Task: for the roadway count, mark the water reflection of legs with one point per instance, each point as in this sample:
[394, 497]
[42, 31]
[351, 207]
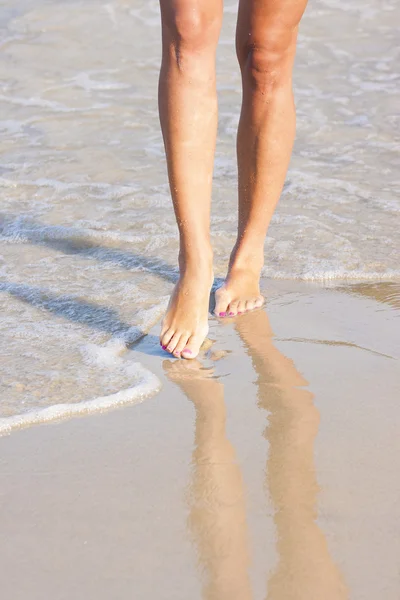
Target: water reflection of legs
[305, 569]
[216, 495]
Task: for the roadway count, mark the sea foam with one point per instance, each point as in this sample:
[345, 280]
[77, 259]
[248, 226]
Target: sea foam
[148, 385]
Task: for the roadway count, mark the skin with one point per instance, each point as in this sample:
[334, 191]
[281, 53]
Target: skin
[266, 44]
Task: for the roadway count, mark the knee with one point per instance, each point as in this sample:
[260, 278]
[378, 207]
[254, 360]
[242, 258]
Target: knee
[191, 32]
[266, 59]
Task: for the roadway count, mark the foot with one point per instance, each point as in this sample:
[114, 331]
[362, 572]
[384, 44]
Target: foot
[241, 291]
[185, 325]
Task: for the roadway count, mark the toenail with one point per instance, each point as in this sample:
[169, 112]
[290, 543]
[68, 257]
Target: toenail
[240, 312]
[164, 347]
[187, 351]
[231, 314]
[222, 314]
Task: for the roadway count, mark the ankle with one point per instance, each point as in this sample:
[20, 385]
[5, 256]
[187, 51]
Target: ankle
[245, 257]
[196, 260]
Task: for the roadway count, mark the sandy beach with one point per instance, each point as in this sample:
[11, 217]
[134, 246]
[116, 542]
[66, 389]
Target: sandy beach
[267, 469]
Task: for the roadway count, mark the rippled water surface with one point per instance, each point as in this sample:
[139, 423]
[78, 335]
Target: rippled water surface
[87, 237]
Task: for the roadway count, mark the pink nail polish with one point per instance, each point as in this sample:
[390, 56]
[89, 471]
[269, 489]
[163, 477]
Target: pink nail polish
[187, 351]
[222, 314]
[164, 347]
[231, 314]
[240, 313]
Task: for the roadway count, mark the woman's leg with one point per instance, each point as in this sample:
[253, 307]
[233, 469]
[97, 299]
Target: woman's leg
[266, 45]
[188, 115]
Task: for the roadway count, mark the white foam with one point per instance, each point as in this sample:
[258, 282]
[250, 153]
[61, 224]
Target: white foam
[23, 229]
[148, 385]
[63, 186]
[110, 353]
[43, 103]
[333, 275]
[111, 357]
[85, 81]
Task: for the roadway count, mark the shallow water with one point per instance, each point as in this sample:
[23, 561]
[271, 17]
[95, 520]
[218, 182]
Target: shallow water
[87, 237]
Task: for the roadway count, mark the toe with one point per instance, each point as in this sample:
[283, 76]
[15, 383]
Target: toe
[221, 304]
[165, 338]
[181, 345]
[241, 307]
[232, 309]
[164, 328]
[259, 301]
[250, 305]
[192, 347]
[173, 342]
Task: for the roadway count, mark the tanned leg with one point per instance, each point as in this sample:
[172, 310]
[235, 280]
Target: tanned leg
[266, 45]
[188, 115]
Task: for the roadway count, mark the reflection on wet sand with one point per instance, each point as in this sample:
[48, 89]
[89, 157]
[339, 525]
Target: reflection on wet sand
[217, 518]
[305, 569]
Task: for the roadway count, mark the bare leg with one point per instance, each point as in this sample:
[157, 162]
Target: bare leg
[188, 115]
[266, 45]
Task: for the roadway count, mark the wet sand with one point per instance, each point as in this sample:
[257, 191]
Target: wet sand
[268, 469]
